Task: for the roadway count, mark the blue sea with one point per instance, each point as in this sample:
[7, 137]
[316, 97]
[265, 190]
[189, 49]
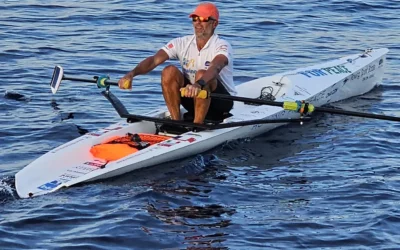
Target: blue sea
[332, 183]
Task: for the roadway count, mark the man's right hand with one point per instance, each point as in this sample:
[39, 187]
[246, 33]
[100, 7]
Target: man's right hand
[126, 81]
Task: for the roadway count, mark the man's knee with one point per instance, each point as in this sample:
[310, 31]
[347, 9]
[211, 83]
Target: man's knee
[171, 74]
[170, 71]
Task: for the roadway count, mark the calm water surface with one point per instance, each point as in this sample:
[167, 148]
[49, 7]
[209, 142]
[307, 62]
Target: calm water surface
[333, 183]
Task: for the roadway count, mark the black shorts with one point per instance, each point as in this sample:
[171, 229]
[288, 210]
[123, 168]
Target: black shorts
[217, 108]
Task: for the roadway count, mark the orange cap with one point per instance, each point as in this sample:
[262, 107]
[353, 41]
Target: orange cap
[206, 10]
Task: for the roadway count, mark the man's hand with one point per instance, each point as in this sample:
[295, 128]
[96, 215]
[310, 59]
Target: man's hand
[192, 90]
[126, 81]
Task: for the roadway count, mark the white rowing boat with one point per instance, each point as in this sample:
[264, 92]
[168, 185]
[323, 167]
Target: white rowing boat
[73, 163]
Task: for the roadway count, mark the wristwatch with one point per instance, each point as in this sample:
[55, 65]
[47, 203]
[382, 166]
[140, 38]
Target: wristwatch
[202, 83]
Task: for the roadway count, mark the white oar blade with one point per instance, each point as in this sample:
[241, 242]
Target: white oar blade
[56, 79]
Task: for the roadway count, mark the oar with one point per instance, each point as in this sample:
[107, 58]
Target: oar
[123, 112]
[58, 76]
[297, 106]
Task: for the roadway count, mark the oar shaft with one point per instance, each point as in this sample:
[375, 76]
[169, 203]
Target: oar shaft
[208, 126]
[316, 109]
[357, 114]
[88, 80]
[245, 99]
[123, 112]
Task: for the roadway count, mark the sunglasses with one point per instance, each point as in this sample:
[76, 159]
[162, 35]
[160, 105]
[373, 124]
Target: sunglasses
[201, 19]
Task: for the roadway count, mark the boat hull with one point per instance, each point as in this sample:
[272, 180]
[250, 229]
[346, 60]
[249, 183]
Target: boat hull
[321, 84]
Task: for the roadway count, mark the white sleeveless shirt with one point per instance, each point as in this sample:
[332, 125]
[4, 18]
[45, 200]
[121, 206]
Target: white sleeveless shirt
[185, 50]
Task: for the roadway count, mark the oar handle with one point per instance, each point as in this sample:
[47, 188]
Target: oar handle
[203, 94]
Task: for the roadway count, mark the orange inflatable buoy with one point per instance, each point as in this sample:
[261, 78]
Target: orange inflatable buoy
[118, 147]
[112, 152]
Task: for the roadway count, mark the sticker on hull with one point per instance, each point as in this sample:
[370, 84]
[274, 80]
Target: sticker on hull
[178, 139]
[50, 185]
[334, 70]
[72, 173]
[103, 131]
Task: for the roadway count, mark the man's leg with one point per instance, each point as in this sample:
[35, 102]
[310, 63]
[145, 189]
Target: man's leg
[171, 82]
[201, 106]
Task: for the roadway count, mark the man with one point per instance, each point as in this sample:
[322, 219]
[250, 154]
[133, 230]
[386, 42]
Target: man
[207, 63]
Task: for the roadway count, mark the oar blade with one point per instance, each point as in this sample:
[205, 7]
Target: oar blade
[58, 74]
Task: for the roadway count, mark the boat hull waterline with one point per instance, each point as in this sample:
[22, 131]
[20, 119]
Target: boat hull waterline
[72, 162]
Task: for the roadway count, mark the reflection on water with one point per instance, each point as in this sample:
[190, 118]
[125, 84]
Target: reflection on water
[197, 218]
[15, 96]
[179, 215]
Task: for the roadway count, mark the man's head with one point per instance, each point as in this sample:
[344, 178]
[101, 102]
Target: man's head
[206, 10]
[205, 19]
